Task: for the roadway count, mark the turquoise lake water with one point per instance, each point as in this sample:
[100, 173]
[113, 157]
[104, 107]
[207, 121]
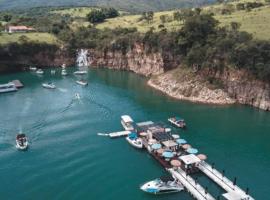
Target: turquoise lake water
[67, 160]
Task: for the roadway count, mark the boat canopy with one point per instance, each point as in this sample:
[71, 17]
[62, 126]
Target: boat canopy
[190, 159]
[169, 143]
[126, 119]
[132, 135]
[162, 136]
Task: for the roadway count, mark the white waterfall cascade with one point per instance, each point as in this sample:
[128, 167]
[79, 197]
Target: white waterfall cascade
[82, 58]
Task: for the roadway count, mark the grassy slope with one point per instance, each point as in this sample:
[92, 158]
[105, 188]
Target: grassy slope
[39, 37]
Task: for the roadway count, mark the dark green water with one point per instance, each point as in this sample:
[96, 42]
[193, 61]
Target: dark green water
[67, 160]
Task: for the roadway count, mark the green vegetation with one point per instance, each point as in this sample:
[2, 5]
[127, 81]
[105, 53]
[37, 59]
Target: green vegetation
[6, 38]
[127, 5]
[99, 15]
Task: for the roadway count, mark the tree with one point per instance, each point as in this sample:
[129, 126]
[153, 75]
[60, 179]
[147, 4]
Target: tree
[110, 12]
[7, 17]
[163, 18]
[148, 16]
[235, 26]
[23, 39]
[96, 16]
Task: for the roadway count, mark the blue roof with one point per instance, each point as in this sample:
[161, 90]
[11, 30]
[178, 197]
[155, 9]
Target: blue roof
[156, 146]
[132, 135]
[181, 141]
[167, 154]
[192, 150]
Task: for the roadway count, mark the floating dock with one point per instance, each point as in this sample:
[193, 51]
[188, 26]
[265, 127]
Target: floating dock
[118, 134]
[17, 83]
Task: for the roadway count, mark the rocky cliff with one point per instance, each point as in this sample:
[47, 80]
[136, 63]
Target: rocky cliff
[231, 86]
[135, 59]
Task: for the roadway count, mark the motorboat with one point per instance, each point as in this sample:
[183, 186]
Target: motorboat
[133, 139]
[162, 185]
[40, 71]
[127, 122]
[178, 122]
[64, 72]
[32, 68]
[48, 85]
[82, 82]
[8, 87]
[81, 72]
[21, 141]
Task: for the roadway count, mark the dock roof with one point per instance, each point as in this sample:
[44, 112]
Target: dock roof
[126, 118]
[190, 159]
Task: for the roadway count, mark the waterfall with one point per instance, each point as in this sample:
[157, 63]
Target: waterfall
[82, 58]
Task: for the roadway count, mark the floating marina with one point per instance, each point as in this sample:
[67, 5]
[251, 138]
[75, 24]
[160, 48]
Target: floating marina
[181, 161]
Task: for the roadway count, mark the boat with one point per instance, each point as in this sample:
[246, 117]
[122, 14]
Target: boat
[82, 82]
[77, 96]
[127, 122]
[134, 140]
[40, 71]
[48, 85]
[32, 68]
[162, 185]
[21, 141]
[8, 87]
[178, 122]
[80, 72]
[64, 72]
[53, 71]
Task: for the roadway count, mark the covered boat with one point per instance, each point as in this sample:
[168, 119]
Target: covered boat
[48, 85]
[127, 122]
[162, 185]
[8, 87]
[82, 82]
[21, 141]
[80, 72]
[178, 122]
[133, 139]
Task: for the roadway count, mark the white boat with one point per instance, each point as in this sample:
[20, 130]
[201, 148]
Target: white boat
[21, 141]
[80, 72]
[64, 72]
[8, 87]
[127, 122]
[32, 68]
[48, 85]
[82, 82]
[133, 139]
[53, 71]
[162, 185]
[40, 71]
[178, 122]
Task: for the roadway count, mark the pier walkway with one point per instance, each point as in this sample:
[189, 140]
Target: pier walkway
[233, 191]
[195, 189]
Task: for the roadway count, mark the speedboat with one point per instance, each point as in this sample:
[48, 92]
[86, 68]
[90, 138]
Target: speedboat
[178, 122]
[127, 122]
[80, 72]
[82, 82]
[133, 139]
[162, 185]
[48, 85]
[40, 71]
[21, 141]
[32, 68]
[8, 87]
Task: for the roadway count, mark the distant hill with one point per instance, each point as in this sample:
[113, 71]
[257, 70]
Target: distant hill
[128, 5]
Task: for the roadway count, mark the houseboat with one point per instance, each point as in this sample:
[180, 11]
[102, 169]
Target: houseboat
[127, 123]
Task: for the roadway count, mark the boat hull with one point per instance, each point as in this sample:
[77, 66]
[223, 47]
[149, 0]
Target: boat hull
[21, 147]
[176, 124]
[137, 143]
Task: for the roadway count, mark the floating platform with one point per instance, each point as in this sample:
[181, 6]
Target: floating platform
[17, 83]
[119, 134]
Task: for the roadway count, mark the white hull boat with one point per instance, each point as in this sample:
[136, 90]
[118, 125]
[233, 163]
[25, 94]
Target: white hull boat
[135, 141]
[48, 85]
[33, 68]
[64, 72]
[127, 122]
[162, 185]
[21, 142]
[83, 83]
[178, 122]
[9, 87]
[40, 71]
[80, 72]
